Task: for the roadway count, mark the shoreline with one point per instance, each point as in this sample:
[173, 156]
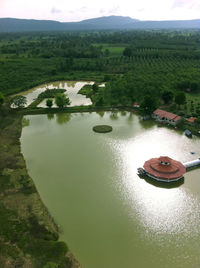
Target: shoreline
[29, 236]
[20, 189]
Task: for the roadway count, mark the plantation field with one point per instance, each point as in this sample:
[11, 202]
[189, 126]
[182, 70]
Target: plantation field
[116, 49]
[133, 63]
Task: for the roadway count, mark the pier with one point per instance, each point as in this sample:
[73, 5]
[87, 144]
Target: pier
[192, 164]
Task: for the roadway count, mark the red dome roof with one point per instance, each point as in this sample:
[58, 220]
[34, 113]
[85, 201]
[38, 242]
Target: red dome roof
[165, 168]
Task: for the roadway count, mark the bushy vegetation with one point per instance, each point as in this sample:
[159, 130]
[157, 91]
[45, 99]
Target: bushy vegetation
[49, 103]
[1, 99]
[86, 90]
[61, 100]
[50, 93]
[18, 101]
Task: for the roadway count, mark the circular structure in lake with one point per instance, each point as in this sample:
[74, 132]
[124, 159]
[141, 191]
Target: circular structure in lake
[102, 128]
[164, 169]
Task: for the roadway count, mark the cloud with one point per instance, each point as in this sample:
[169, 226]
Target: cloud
[141, 10]
[188, 4]
[114, 10]
[55, 10]
[83, 8]
[102, 11]
[111, 11]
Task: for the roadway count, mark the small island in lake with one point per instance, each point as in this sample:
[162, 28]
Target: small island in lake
[102, 128]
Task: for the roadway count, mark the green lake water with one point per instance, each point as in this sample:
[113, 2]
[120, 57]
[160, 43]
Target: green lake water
[109, 217]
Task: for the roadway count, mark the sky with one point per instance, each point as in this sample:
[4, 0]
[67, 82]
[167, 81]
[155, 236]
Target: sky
[76, 10]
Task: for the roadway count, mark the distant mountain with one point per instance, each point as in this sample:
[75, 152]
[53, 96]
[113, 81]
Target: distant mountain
[168, 24]
[102, 23]
[23, 25]
[110, 21]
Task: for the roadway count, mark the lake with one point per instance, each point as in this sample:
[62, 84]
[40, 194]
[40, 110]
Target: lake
[109, 217]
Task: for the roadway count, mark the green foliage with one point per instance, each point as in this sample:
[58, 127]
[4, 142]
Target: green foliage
[127, 52]
[156, 60]
[95, 88]
[167, 96]
[1, 99]
[19, 101]
[50, 93]
[61, 100]
[86, 90]
[50, 265]
[180, 98]
[149, 104]
[49, 103]
[198, 120]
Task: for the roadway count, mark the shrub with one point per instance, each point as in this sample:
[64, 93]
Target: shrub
[49, 103]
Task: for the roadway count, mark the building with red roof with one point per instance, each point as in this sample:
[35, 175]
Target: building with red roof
[164, 169]
[136, 105]
[191, 120]
[166, 117]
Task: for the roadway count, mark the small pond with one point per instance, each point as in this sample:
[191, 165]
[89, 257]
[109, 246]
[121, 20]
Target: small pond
[72, 88]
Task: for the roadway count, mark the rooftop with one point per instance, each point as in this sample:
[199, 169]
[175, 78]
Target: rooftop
[167, 115]
[191, 119]
[136, 104]
[164, 167]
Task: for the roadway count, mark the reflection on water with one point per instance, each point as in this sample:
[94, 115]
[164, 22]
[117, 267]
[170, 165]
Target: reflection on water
[72, 88]
[62, 118]
[114, 115]
[167, 209]
[163, 184]
[101, 114]
[110, 217]
[25, 122]
[50, 116]
[123, 113]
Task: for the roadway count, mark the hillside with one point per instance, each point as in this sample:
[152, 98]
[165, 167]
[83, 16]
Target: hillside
[102, 23]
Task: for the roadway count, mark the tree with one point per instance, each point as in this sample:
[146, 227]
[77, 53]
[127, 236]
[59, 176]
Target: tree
[50, 265]
[1, 99]
[127, 52]
[61, 100]
[95, 88]
[49, 103]
[19, 101]
[148, 104]
[167, 96]
[107, 52]
[180, 98]
[198, 120]
[99, 101]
